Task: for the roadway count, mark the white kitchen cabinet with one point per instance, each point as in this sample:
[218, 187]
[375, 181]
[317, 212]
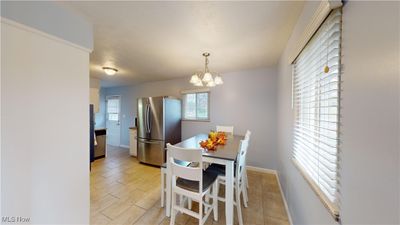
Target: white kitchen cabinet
[133, 141]
[95, 99]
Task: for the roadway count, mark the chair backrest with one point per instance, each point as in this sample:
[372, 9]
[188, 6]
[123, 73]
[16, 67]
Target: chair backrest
[226, 129]
[182, 171]
[247, 135]
[241, 158]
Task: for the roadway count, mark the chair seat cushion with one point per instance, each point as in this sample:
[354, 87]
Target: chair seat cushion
[219, 169]
[208, 180]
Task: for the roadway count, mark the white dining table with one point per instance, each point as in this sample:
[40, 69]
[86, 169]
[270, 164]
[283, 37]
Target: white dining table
[224, 155]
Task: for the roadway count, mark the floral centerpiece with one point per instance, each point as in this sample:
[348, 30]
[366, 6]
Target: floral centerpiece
[214, 139]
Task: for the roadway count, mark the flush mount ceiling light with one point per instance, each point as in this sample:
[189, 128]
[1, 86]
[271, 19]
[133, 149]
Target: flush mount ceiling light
[200, 79]
[109, 70]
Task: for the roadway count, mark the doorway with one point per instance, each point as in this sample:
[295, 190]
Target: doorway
[113, 123]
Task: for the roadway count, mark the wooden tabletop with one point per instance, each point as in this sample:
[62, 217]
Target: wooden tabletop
[228, 151]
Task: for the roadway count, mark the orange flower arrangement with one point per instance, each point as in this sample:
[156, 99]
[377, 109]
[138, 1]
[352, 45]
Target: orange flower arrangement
[214, 139]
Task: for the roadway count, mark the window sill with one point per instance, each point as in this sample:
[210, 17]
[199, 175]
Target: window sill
[331, 207]
[189, 120]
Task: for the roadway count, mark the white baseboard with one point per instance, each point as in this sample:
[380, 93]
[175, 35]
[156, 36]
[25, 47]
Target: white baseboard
[284, 200]
[124, 146]
[259, 169]
[270, 171]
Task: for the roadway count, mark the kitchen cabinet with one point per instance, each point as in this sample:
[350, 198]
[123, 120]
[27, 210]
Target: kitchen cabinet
[95, 99]
[133, 141]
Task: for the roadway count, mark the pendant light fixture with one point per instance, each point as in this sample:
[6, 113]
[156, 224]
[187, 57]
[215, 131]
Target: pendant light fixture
[206, 78]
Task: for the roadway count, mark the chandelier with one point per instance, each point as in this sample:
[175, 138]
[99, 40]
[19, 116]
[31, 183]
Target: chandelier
[200, 79]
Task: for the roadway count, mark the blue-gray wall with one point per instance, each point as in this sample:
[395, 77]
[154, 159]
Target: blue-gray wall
[100, 117]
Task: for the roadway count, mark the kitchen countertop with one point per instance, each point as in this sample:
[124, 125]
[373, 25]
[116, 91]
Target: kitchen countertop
[100, 128]
[133, 128]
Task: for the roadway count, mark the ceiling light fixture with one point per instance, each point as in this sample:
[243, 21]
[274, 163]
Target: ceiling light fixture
[201, 79]
[109, 70]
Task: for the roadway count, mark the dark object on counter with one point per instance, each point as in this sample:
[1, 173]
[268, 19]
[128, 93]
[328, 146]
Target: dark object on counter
[100, 148]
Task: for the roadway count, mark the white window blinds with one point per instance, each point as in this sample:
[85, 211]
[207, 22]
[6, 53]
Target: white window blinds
[316, 98]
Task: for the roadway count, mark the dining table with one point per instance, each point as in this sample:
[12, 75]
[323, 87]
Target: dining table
[223, 155]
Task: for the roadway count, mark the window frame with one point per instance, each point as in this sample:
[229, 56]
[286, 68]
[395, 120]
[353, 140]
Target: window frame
[196, 92]
[333, 207]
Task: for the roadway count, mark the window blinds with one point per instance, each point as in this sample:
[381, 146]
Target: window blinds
[316, 98]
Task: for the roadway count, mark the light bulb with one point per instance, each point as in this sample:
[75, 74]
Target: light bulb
[211, 83]
[199, 83]
[194, 79]
[218, 80]
[207, 77]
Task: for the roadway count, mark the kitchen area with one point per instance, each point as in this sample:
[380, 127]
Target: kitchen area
[110, 126]
[156, 122]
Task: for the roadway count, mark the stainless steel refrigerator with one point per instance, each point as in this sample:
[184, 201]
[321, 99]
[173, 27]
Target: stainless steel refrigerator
[159, 123]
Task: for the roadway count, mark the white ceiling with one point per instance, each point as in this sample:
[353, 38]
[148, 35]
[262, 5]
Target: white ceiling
[149, 41]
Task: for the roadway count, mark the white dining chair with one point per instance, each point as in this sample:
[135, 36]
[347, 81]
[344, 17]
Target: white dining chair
[163, 177]
[163, 187]
[226, 129]
[239, 180]
[192, 183]
[247, 137]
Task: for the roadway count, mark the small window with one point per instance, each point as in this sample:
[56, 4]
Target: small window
[113, 108]
[196, 106]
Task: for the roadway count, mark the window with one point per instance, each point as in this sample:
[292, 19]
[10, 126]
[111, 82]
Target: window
[113, 108]
[316, 102]
[196, 105]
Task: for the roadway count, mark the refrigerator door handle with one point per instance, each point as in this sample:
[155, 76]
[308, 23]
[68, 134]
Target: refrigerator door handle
[147, 118]
[149, 142]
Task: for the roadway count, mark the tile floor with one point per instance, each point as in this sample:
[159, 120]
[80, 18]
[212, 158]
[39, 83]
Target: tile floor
[123, 191]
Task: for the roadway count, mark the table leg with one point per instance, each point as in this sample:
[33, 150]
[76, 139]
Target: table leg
[168, 189]
[229, 192]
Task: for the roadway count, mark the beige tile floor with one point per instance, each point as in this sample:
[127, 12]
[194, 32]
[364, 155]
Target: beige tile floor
[123, 191]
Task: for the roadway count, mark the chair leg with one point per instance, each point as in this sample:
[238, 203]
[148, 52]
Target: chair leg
[245, 196]
[162, 188]
[238, 206]
[245, 177]
[173, 200]
[201, 211]
[190, 203]
[215, 199]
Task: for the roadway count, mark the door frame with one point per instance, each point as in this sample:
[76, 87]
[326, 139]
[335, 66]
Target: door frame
[119, 115]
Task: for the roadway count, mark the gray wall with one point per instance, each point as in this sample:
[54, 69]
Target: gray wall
[370, 121]
[44, 128]
[246, 100]
[51, 18]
